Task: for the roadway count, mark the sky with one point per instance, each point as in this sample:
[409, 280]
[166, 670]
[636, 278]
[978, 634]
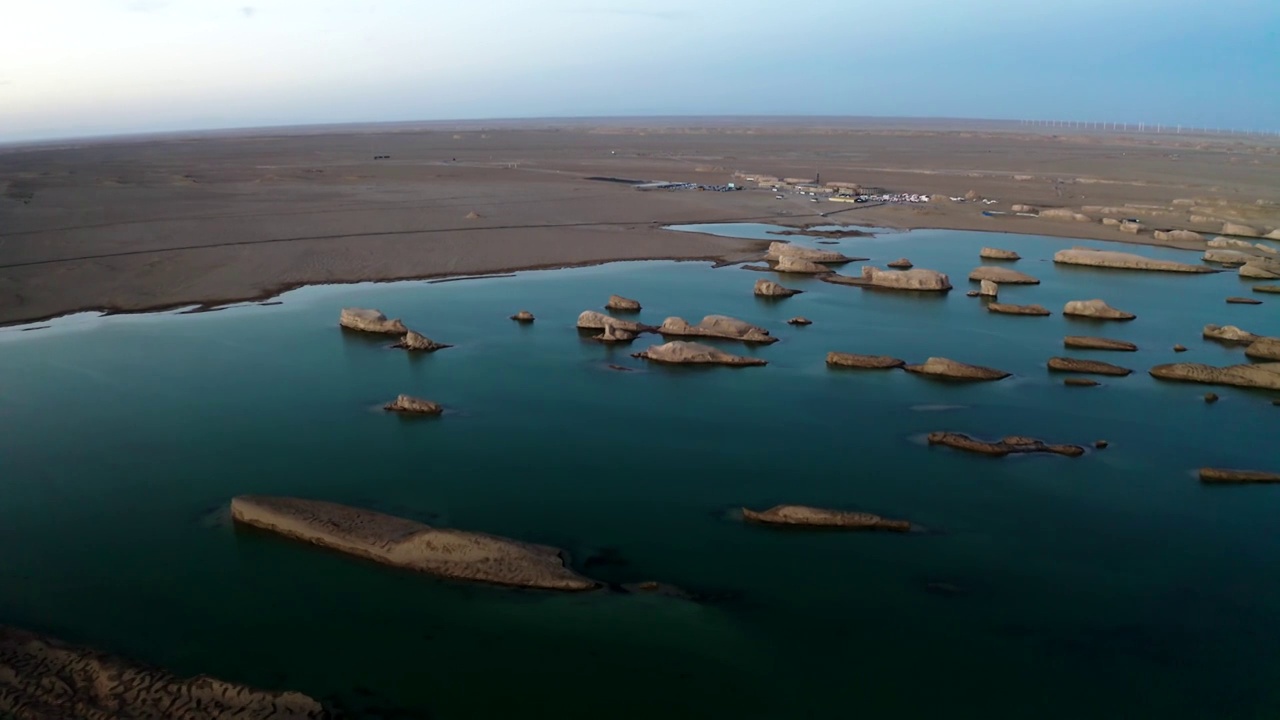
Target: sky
[72, 68]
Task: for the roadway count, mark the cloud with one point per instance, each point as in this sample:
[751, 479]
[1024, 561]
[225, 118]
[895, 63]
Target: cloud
[248, 11]
[148, 6]
[631, 12]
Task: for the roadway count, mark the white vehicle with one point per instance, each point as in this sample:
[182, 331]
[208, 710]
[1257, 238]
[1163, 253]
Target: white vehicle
[780, 197]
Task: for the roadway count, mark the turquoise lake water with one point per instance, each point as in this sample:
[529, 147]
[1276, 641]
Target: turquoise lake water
[1110, 585]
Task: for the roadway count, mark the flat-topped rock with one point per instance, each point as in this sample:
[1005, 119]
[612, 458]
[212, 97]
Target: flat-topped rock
[918, 279]
[990, 253]
[1097, 343]
[1095, 309]
[1080, 382]
[419, 342]
[1226, 257]
[778, 250]
[989, 289]
[618, 303]
[1264, 348]
[865, 362]
[1011, 445]
[524, 316]
[1229, 334]
[413, 406]
[769, 288]
[679, 352]
[901, 264]
[1266, 288]
[1242, 301]
[1231, 228]
[371, 321]
[805, 516]
[1007, 309]
[1230, 244]
[947, 368]
[399, 542]
[799, 266]
[1237, 477]
[1251, 375]
[611, 334]
[1260, 270]
[592, 320]
[1123, 261]
[719, 326]
[1185, 236]
[799, 321]
[43, 678]
[1002, 275]
[1090, 367]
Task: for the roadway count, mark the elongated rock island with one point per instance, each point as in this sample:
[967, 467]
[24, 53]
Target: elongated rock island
[1088, 367]
[1013, 444]
[1123, 261]
[951, 369]
[679, 352]
[717, 326]
[778, 250]
[1008, 309]
[1096, 309]
[1002, 275]
[1253, 375]
[408, 544]
[865, 362]
[592, 320]
[371, 321]
[1242, 477]
[1097, 343]
[919, 279]
[805, 516]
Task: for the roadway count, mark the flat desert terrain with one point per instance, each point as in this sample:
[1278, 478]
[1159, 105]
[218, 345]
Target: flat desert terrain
[145, 223]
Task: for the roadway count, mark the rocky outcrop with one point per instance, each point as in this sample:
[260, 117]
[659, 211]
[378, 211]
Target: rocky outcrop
[1229, 334]
[1064, 214]
[1230, 244]
[946, 368]
[371, 321]
[1266, 288]
[990, 253]
[1019, 208]
[989, 289]
[678, 352]
[1013, 444]
[901, 264]
[1255, 375]
[592, 320]
[1264, 348]
[1260, 269]
[618, 303]
[1182, 236]
[1089, 367]
[799, 266]
[1131, 227]
[524, 316]
[1095, 309]
[1266, 248]
[1006, 309]
[1080, 382]
[1089, 257]
[799, 321]
[1002, 275]
[408, 544]
[1225, 257]
[1097, 343]
[612, 334]
[419, 342]
[718, 326]
[769, 288]
[865, 362]
[778, 250]
[804, 516]
[413, 406]
[1230, 228]
[1243, 301]
[1237, 477]
[1179, 348]
[918, 279]
[42, 678]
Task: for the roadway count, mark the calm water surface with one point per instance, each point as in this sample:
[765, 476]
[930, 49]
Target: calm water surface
[1112, 585]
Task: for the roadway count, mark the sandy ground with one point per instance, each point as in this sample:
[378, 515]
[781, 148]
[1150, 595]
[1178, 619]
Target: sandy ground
[141, 224]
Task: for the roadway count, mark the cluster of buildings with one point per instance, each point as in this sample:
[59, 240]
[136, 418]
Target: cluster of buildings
[729, 187]
[886, 198]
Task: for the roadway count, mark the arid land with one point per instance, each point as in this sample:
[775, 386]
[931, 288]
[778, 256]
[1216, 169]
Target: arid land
[146, 223]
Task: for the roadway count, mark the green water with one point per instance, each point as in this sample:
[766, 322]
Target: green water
[1112, 585]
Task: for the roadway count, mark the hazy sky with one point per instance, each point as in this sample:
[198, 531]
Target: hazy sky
[83, 67]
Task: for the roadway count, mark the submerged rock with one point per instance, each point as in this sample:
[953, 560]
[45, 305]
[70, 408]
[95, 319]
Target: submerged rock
[1097, 343]
[1012, 444]
[989, 289]
[1229, 334]
[1092, 367]
[799, 321]
[799, 266]
[412, 405]
[621, 304]
[43, 678]
[678, 352]
[1006, 309]
[947, 368]
[524, 316]
[419, 342]
[371, 321]
[1095, 309]
[778, 250]
[1179, 348]
[1223, 475]
[901, 264]
[1211, 398]
[592, 320]
[1123, 261]
[719, 326]
[1002, 275]
[409, 544]
[1254, 375]
[769, 288]
[990, 253]
[1243, 301]
[919, 279]
[1264, 348]
[866, 362]
[804, 516]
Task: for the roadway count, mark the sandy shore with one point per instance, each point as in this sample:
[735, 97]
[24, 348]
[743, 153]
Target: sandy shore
[150, 224]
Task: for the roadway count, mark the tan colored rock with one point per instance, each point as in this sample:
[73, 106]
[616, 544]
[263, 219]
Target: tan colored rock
[412, 405]
[1224, 475]
[799, 266]
[918, 279]
[1097, 343]
[1185, 236]
[1230, 244]
[592, 320]
[1230, 228]
[1254, 375]
[408, 544]
[769, 288]
[1264, 348]
[972, 195]
[419, 342]
[1058, 213]
[901, 264]
[1258, 269]
[371, 321]
[473, 215]
[990, 253]
[1243, 301]
[1005, 309]
[1089, 367]
[799, 321]
[678, 352]
[989, 289]
[1002, 275]
[524, 316]
[1014, 444]
[1113, 222]
[1229, 334]
[946, 368]
[1122, 261]
[778, 250]
[864, 362]
[1266, 288]
[1129, 227]
[1095, 309]
[42, 678]
[1023, 209]
[621, 304]
[719, 326]
[1179, 348]
[611, 334]
[1080, 382]
[804, 516]
[1225, 257]
[1273, 235]
[1266, 248]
